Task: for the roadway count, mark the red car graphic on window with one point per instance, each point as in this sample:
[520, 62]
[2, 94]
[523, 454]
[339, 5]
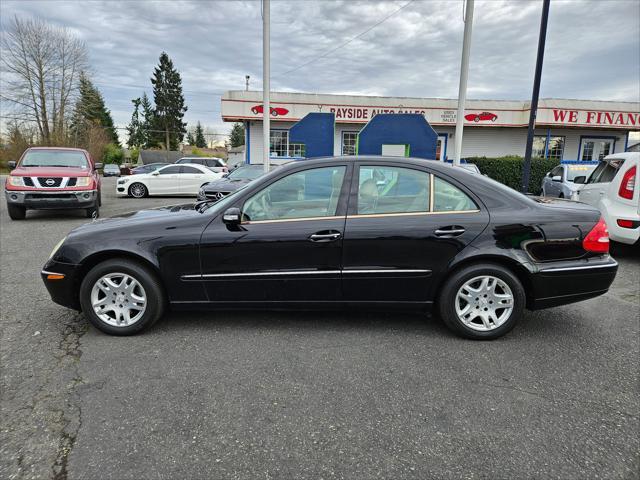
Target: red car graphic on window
[482, 116]
[275, 111]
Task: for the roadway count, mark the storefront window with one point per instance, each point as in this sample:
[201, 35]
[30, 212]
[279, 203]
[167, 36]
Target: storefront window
[280, 146]
[555, 149]
[349, 142]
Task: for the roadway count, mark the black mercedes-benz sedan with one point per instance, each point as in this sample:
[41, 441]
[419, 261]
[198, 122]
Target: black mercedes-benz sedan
[341, 232]
[230, 182]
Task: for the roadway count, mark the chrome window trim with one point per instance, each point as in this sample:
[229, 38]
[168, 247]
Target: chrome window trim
[299, 272]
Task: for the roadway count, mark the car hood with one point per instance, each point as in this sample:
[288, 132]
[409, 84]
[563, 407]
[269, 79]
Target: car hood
[225, 184]
[147, 220]
[50, 172]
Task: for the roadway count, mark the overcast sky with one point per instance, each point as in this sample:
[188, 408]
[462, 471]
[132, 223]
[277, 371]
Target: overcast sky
[593, 48]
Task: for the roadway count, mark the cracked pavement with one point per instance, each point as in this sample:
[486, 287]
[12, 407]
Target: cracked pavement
[313, 394]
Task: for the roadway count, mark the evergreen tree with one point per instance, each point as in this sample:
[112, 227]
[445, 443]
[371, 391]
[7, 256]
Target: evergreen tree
[90, 109]
[147, 122]
[190, 139]
[134, 129]
[237, 135]
[169, 101]
[200, 140]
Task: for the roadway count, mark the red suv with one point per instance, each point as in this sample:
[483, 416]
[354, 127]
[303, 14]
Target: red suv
[53, 178]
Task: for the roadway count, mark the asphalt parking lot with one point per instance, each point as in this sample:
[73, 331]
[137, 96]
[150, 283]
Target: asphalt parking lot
[312, 394]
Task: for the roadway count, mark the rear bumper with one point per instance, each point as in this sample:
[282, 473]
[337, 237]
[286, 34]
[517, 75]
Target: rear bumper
[63, 291]
[38, 199]
[569, 282]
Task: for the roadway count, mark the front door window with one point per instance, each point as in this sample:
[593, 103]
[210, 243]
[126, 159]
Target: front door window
[310, 193]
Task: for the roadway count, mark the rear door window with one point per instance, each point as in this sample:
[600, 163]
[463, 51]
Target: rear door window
[606, 171]
[449, 198]
[188, 169]
[383, 189]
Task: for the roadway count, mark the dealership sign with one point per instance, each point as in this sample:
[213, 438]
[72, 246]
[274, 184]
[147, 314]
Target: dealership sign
[240, 105]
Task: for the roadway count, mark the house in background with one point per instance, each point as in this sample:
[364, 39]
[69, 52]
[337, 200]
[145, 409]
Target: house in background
[235, 156]
[156, 156]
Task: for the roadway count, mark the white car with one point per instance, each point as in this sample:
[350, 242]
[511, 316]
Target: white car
[182, 179]
[613, 189]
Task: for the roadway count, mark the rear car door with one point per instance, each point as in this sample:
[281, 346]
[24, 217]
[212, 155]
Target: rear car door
[598, 182]
[289, 245]
[191, 179]
[404, 226]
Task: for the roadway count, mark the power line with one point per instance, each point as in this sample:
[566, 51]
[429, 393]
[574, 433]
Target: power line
[144, 87]
[331, 50]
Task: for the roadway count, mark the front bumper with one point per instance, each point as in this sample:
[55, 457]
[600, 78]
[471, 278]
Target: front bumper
[561, 283]
[63, 291]
[39, 199]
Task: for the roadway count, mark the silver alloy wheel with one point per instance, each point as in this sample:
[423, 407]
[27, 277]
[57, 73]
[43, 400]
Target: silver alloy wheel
[137, 190]
[118, 299]
[484, 303]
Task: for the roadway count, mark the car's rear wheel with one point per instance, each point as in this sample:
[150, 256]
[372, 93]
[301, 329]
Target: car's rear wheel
[16, 212]
[561, 195]
[121, 297]
[138, 190]
[482, 301]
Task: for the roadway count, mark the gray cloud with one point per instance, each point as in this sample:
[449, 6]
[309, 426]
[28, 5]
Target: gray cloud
[593, 48]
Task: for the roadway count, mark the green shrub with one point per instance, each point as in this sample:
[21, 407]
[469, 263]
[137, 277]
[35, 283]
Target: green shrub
[113, 154]
[508, 170]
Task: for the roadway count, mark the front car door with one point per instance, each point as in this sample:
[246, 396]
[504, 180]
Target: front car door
[404, 226]
[288, 247]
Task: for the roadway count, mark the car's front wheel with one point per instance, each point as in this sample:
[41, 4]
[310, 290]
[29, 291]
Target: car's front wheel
[121, 297]
[138, 190]
[482, 301]
[16, 212]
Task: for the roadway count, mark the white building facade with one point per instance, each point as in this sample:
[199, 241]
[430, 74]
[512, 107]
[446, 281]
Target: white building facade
[565, 129]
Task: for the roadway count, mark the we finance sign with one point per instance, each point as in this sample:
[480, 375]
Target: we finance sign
[589, 118]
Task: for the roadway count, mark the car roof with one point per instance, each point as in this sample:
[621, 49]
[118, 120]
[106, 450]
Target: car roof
[71, 149]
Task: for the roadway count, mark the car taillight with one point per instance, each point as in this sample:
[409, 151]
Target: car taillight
[627, 223]
[628, 184]
[597, 240]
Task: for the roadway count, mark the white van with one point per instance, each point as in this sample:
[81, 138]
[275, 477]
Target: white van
[613, 188]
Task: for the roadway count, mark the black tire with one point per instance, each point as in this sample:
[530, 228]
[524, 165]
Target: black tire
[561, 195]
[16, 212]
[138, 190]
[448, 294]
[152, 288]
[99, 198]
[93, 212]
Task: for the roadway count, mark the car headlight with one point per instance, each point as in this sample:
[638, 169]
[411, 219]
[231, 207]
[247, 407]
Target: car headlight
[122, 181]
[57, 247]
[83, 181]
[16, 181]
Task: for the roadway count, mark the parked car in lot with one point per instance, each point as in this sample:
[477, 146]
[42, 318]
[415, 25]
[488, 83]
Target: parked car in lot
[559, 182]
[358, 232]
[53, 178]
[231, 181]
[213, 163]
[183, 179]
[111, 170]
[148, 168]
[613, 188]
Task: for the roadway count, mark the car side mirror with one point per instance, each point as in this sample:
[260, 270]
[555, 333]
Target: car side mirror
[556, 178]
[155, 173]
[580, 180]
[99, 166]
[231, 216]
[11, 164]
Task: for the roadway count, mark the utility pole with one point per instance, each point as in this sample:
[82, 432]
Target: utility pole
[266, 104]
[464, 75]
[526, 168]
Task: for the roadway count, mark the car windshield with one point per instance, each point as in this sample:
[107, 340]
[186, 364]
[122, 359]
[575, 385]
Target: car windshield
[246, 173]
[574, 171]
[111, 166]
[54, 158]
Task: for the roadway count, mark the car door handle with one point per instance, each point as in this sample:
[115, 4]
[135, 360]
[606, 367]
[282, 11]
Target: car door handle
[325, 236]
[452, 231]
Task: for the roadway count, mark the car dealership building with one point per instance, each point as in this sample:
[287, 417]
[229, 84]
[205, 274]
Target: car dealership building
[565, 129]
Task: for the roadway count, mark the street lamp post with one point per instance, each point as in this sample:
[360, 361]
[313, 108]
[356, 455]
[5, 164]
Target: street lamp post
[464, 75]
[266, 104]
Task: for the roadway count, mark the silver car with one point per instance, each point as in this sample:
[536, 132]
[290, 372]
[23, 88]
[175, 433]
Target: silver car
[559, 181]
